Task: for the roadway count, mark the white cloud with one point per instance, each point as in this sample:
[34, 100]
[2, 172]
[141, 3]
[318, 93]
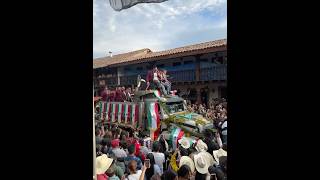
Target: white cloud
[160, 26]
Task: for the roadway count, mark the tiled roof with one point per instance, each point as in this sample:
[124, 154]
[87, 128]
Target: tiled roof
[144, 55]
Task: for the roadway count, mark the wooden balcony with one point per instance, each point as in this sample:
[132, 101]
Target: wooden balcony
[182, 76]
[128, 80]
[216, 73]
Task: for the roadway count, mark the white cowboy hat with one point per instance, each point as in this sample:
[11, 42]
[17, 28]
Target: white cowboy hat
[201, 146]
[184, 142]
[201, 162]
[188, 161]
[218, 153]
[210, 158]
[103, 163]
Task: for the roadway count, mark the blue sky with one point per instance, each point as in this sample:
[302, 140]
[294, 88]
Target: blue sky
[157, 26]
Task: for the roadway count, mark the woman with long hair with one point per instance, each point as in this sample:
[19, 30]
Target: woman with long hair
[134, 174]
[154, 168]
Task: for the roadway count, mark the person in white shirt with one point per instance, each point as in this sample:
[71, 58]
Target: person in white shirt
[224, 131]
[134, 173]
[143, 148]
[159, 157]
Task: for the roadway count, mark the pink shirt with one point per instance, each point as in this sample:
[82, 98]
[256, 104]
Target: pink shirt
[102, 177]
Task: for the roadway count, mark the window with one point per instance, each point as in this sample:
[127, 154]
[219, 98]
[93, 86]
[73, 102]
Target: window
[203, 60]
[188, 62]
[127, 69]
[176, 64]
[217, 60]
[160, 66]
[140, 68]
[225, 60]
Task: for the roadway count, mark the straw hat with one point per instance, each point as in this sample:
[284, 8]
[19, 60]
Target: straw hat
[201, 146]
[188, 161]
[103, 163]
[209, 157]
[184, 142]
[201, 162]
[218, 153]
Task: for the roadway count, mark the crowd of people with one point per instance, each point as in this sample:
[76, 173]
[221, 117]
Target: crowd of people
[126, 154]
[155, 79]
[120, 94]
[131, 155]
[216, 111]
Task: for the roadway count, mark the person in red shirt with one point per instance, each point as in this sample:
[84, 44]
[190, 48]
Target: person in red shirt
[138, 152]
[102, 165]
[104, 94]
[154, 76]
[112, 96]
[102, 177]
[123, 94]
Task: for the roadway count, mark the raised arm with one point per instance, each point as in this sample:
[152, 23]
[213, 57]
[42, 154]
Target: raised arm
[144, 168]
[102, 131]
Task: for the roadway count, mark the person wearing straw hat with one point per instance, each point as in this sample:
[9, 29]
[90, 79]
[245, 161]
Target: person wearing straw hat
[184, 142]
[219, 153]
[201, 146]
[188, 161]
[201, 163]
[210, 158]
[102, 165]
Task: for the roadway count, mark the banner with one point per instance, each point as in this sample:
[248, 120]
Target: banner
[126, 113]
[113, 112]
[119, 112]
[133, 113]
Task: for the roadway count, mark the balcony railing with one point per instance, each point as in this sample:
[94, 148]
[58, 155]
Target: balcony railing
[111, 81]
[130, 80]
[174, 76]
[182, 76]
[213, 73]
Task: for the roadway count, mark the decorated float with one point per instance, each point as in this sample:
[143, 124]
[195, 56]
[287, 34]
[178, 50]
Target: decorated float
[154, 115]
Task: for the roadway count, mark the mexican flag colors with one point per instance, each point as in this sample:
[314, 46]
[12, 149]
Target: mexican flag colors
[153, 117]
[119, 113]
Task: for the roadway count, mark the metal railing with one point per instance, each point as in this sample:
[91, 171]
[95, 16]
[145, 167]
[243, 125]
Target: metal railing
[182, 76]
[128, 80]
[111, 81]
[213, 73]
[131, 79]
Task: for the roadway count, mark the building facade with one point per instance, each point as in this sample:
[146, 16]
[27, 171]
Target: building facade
[198, 70]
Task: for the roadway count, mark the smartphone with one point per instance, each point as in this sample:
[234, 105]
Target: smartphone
[213, 177]
[147, 163]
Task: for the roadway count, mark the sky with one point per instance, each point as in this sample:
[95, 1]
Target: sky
[157, 26]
